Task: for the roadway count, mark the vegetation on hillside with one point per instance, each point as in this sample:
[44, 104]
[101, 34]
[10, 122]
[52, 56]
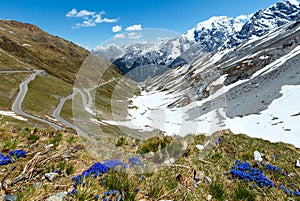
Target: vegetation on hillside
[191, 177]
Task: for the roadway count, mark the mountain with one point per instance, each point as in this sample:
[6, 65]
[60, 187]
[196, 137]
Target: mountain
[263, 21]
[24, 46]
[252, 88]
[41, 73]
[142, 61]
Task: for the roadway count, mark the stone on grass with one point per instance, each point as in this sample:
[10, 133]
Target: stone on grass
[257, 156]
[169, 161]
[200, 147]
[297, 163]
[57, 197]
[51, 176]
[10, 198]
[208, 179]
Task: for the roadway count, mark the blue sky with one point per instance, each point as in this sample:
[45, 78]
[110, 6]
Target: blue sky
[90, 22]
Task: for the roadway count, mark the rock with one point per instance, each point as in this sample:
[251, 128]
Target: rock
[65, 156]
[208, 179]
[49, 146]
[10, 198]
[150, 155]
[297, 163]
[169, 161]
[209, 197]
[119, 198]
[8, 182]
[51, 176]
[57, 197]
[194, 184]
[200, 147]
[36, 184]
[19, 178]
[257, 156]
[199, 177]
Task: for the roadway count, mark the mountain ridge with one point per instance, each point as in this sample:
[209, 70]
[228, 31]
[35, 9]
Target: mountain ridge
[207, 36]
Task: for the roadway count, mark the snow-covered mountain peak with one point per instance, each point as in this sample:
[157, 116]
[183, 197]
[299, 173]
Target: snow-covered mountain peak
[294, 2]
[215, 23]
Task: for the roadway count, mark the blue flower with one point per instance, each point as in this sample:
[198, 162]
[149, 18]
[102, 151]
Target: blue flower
[107, 193]
[74, 191]
[245, 171]
[4, 160]
[18, 153]
[114, 163]
[115, 192]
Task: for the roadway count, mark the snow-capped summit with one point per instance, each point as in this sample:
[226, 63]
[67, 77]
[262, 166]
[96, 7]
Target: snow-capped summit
[295, 2]
[212, 33]
[268, 19]
[216, 23]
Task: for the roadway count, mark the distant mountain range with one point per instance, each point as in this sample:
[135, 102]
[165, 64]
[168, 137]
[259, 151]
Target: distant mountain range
[142, 61]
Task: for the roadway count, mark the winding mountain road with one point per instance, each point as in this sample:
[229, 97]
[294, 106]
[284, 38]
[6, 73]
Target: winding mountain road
[87, 101]
[17, 105]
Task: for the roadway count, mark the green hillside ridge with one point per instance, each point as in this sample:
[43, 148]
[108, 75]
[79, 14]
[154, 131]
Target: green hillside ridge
[26, 46]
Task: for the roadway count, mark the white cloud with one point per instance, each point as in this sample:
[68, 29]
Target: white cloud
[244, 17]
[116, 28]
[90, 19]
[136, 27]
[72, 13]
[134, 35]
[119, 36]
[84, 13]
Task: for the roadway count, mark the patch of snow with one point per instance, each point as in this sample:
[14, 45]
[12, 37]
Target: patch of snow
[24, 45]
[294, 2]
[263, 57]
[52, 119]
[12, 114]
[89, 110]
[277, 63]
[261, 125]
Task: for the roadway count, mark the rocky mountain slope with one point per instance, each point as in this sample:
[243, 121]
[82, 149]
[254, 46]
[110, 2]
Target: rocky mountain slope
[149, 60]
[252, 88]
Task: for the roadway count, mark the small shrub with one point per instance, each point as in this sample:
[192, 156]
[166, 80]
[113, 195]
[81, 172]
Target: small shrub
[9, 144]
[154, 144]
[70, 168]
[56, 139]
[71, 139]
[243, 194]
[122, 141]
[121, 181]
[216, 190]
[33, 138]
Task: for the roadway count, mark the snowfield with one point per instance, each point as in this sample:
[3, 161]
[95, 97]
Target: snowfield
[279, 122]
